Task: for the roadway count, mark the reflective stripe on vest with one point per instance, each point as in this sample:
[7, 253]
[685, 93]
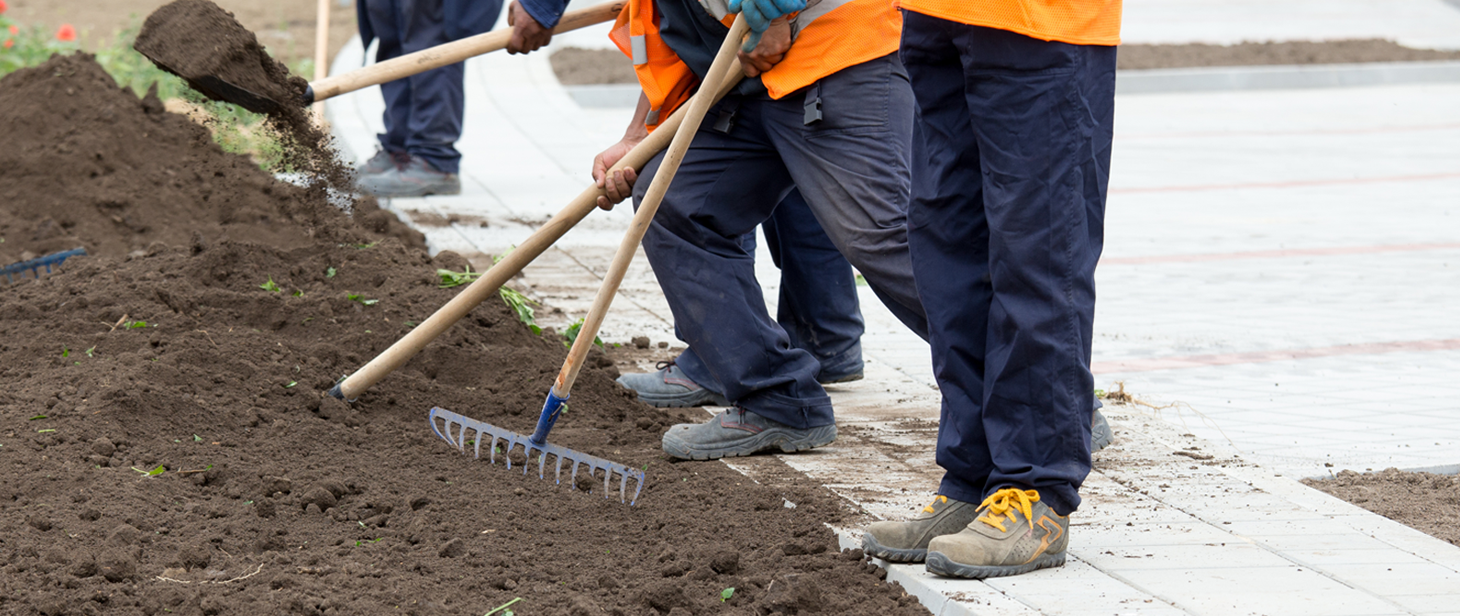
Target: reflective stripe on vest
[667, 82]
[1078, 22]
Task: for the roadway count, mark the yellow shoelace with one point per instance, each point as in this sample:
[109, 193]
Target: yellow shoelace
[1003, 502]
[939, 499]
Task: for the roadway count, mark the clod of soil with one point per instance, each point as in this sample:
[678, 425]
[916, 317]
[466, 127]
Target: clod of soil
[89, 164]
[1426, 502]
[195, 39]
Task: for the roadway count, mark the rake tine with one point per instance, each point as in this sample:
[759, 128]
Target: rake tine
[558, 471]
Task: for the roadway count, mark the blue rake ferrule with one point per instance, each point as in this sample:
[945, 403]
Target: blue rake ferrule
[453, 428]
[35, 265]
[552, 408]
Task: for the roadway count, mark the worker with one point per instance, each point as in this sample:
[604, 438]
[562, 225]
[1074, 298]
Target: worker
[837, 127]
[1015, 104]
[818, 309]
[423, 112]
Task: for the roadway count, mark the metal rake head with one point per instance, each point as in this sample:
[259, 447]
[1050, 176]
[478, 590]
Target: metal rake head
[453, 428]
[35, 265]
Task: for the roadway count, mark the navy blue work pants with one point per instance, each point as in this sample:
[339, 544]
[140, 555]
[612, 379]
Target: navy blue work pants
[423, 112]
[1010, 164]
[818, 306]
[851, 168]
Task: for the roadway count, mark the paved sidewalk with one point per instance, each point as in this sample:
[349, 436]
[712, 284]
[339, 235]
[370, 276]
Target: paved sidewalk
[1282, 269]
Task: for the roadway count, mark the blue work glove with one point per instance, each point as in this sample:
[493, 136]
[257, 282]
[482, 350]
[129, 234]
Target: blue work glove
[760, 13]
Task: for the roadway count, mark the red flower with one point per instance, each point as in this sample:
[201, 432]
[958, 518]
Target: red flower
[9, 44]
[66, 33]
[14, 29]
[3, 6]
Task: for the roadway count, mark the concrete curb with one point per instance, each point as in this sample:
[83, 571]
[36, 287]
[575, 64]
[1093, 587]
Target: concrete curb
[1153, 81]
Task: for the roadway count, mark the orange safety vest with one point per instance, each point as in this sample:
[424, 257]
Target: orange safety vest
[1079, 22]
[833, 35]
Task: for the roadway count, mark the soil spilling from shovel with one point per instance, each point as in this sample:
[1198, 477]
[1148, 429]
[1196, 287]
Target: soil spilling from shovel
[88, 164]
[197, 40]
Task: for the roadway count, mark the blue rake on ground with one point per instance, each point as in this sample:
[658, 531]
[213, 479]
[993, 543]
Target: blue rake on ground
[35, 265]
[442, 421]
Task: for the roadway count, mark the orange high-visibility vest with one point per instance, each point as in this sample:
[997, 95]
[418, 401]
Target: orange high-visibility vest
[1080, 22]
[831, 35]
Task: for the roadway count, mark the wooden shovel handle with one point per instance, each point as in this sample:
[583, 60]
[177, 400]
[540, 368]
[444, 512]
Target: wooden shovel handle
[725, 62]
[449, 53]
[491, 280]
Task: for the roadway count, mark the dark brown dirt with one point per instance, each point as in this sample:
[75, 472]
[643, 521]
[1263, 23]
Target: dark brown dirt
[576, 66]
[1426, 502]
[88, 164]
[1293, 52]
[197, 39]
[274, 498]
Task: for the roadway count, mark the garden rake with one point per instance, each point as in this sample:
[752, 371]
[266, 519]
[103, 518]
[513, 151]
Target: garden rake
[557, 397]
[35, 265]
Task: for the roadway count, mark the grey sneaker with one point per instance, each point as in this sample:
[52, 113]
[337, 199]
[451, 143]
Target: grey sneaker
[907, 542]
[414, 178]
[1101, 436]
[738, 432]
[670, 387]
[1014, 534]
[383, 161]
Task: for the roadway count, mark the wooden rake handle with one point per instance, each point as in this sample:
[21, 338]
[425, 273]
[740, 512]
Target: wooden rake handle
[449, 53]
[724, 61]
[491, 280]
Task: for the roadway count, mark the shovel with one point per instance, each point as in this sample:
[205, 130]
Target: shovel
[557, 396]
[390, 70]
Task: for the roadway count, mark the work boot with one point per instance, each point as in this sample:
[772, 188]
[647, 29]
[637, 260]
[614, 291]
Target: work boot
[670, 387]
[738, 432]
[1101, 436]
[1014, 534]
[907, 542]
[383, 161]
[413, 178]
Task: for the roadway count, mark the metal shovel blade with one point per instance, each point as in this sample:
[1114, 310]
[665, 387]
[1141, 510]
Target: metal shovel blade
[217, 89]
[453, 429]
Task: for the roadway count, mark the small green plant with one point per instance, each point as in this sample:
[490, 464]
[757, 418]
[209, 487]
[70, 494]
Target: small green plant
[299, 293]
[726, 594]
[152, 473]
[368, 541]
[861, 282]
[270, 286]
[522, 305]
[450, 278]
[365, 246]
[329, 272]
[65, 352]
[502, 607]
[291, 384]
[45, 430]
[570, 335]
[90, 351]
[135, 325]
[356, 297]
[38, 417]
[197, 439]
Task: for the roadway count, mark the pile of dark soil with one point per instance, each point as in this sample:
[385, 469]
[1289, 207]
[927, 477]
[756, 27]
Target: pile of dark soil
[88, 164]
[278, 499]
[575, 66]
[1426, 502]
[198, 41]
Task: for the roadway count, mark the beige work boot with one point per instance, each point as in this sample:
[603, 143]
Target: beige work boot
[907, 542]
[1014, 534]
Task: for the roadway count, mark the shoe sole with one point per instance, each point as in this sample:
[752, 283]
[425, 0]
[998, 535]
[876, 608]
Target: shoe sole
[856, 376]
[940, 564]
[896, 555]
[769, 439]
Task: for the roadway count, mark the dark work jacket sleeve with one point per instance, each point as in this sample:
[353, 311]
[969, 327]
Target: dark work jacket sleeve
[463, 18]
[545, 12]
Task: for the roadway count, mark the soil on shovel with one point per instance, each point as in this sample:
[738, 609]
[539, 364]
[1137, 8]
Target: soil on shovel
[1426, 502]
[166, 448]
[196, 38]
[87, 164]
